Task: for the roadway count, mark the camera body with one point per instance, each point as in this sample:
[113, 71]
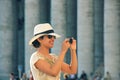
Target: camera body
[70, 40]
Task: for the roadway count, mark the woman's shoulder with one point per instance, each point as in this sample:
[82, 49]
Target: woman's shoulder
[36, 55]
[54, 55]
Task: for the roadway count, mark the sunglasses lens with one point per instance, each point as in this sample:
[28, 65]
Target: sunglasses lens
[50, 36]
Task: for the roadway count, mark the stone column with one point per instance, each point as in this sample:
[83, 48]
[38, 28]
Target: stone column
[8, 38]
[85, 36]
[112, 38]
[58, 21]
[36, 11]
[98, 35]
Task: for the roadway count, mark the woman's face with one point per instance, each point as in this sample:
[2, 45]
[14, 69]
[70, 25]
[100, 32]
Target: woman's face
[47, 41]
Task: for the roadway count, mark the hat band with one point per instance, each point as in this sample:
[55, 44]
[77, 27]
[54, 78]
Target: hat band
[46, 32]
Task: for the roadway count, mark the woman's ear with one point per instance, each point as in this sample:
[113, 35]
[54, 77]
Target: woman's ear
[39, 39]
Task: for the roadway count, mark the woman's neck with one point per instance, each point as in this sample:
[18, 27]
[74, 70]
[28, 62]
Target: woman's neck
[44, 51]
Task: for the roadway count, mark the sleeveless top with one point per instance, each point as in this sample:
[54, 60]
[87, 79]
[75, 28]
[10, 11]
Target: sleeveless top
[37, 74]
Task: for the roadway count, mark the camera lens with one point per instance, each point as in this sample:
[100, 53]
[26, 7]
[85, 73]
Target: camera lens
[70, 40]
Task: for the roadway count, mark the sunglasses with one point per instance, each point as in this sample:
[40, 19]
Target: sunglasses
[51, 36]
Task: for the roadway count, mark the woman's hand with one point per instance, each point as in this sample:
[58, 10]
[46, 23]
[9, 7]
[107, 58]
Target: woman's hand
[65, 45]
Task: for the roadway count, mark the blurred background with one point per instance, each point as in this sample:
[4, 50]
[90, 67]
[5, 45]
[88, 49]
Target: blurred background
[95, 24]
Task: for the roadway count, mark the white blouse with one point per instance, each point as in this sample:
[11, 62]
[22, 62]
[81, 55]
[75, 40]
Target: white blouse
[37, 74]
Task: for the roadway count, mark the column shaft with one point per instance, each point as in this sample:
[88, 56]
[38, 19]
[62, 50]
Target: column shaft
[85, 36]
[112, 37]
[8, 38]
[58, 21]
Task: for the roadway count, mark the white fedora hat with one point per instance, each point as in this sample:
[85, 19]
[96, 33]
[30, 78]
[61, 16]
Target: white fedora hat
[42, 29]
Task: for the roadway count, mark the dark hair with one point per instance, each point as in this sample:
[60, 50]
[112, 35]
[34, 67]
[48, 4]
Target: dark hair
[12, 73]
[36, 44]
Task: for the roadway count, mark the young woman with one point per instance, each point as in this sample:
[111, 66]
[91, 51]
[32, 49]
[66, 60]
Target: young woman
[45, 65]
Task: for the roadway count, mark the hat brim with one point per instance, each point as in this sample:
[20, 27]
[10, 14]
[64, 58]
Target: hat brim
[36, 37]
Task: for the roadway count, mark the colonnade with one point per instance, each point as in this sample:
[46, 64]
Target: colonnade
[93, 23]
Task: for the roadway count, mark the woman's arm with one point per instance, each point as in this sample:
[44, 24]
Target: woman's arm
[50, 69]
[54, 69]
[72, 68]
